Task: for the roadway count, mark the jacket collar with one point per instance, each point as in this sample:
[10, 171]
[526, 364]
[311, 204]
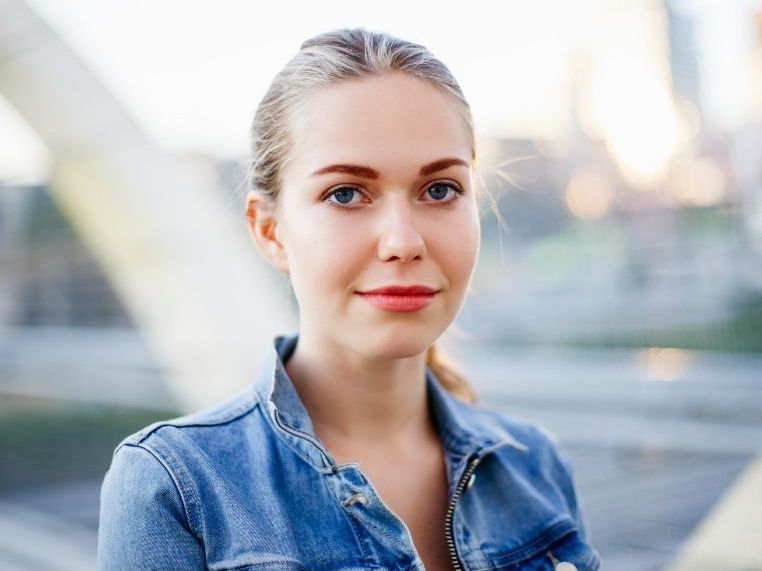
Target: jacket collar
[464, 428]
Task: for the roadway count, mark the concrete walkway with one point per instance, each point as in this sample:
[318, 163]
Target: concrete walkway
[54, 529]
[730, 537]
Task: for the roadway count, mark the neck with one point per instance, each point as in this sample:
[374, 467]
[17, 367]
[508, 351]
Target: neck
[356, 403]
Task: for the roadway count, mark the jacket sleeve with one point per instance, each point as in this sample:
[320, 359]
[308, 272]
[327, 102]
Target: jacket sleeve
[143, 519]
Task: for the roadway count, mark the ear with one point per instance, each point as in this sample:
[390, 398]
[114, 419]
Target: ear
[262, 223]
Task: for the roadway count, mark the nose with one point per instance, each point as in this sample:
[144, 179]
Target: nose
[400, 240]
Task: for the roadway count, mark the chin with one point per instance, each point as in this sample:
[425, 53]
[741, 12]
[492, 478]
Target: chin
[397, 342]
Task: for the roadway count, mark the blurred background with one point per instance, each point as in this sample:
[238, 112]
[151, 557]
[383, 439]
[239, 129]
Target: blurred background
[617, 300]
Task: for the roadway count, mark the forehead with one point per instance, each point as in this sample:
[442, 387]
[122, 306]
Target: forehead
[392, 120]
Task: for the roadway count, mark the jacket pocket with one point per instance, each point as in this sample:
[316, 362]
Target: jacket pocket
[262, 566]
[575, 553]
[569, 552]
[279, 566]
[259, 564]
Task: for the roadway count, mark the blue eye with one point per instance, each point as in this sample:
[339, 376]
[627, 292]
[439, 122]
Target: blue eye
[342, 195]
[438, 191]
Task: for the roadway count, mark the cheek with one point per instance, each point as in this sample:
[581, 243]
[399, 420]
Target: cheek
[457, 249]
[325, 255]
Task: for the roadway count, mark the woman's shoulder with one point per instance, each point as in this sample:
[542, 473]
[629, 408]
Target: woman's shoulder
[527, 433]
[542, 459]
[199, 428]
[157, 477]
[536, 448]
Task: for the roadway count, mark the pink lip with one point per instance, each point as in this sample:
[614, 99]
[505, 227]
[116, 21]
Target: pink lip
[400, 298]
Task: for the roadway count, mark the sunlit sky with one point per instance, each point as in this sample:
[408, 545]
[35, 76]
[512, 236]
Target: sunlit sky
[191, 73]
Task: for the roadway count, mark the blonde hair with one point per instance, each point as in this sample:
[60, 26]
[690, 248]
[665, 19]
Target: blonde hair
[325, 60]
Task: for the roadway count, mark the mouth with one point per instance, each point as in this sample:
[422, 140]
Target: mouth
[401, 290]
[398, 299]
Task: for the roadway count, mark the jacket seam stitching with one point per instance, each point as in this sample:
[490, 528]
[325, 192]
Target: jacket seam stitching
[171, 477]
[233, 415]
[181, 481]
[359, 541]
[269, 421]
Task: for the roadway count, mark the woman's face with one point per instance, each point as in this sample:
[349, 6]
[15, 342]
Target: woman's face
[377, 192]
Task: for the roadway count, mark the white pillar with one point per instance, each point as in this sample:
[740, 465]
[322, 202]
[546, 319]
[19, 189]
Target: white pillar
[172, 246]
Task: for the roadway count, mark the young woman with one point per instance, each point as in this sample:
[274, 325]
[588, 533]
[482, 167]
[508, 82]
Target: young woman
[356, 448]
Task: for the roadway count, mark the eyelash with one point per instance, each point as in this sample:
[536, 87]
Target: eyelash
[452, 184]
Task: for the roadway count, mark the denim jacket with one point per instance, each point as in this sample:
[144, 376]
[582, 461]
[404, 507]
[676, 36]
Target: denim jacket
[247, 485]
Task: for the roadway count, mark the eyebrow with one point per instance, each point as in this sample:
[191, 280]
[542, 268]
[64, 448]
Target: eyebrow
[368, 172]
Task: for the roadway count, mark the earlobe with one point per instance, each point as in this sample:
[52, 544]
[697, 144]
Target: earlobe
[262, 224]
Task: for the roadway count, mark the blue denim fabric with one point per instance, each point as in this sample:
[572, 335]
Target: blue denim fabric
[247, 485]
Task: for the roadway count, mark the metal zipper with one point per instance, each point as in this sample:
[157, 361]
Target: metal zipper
[449, 533]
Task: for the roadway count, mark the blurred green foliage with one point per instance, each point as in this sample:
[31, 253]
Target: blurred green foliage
[741, 332]
[45, 443]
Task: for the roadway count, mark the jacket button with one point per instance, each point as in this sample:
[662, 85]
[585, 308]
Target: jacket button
[566, 566]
